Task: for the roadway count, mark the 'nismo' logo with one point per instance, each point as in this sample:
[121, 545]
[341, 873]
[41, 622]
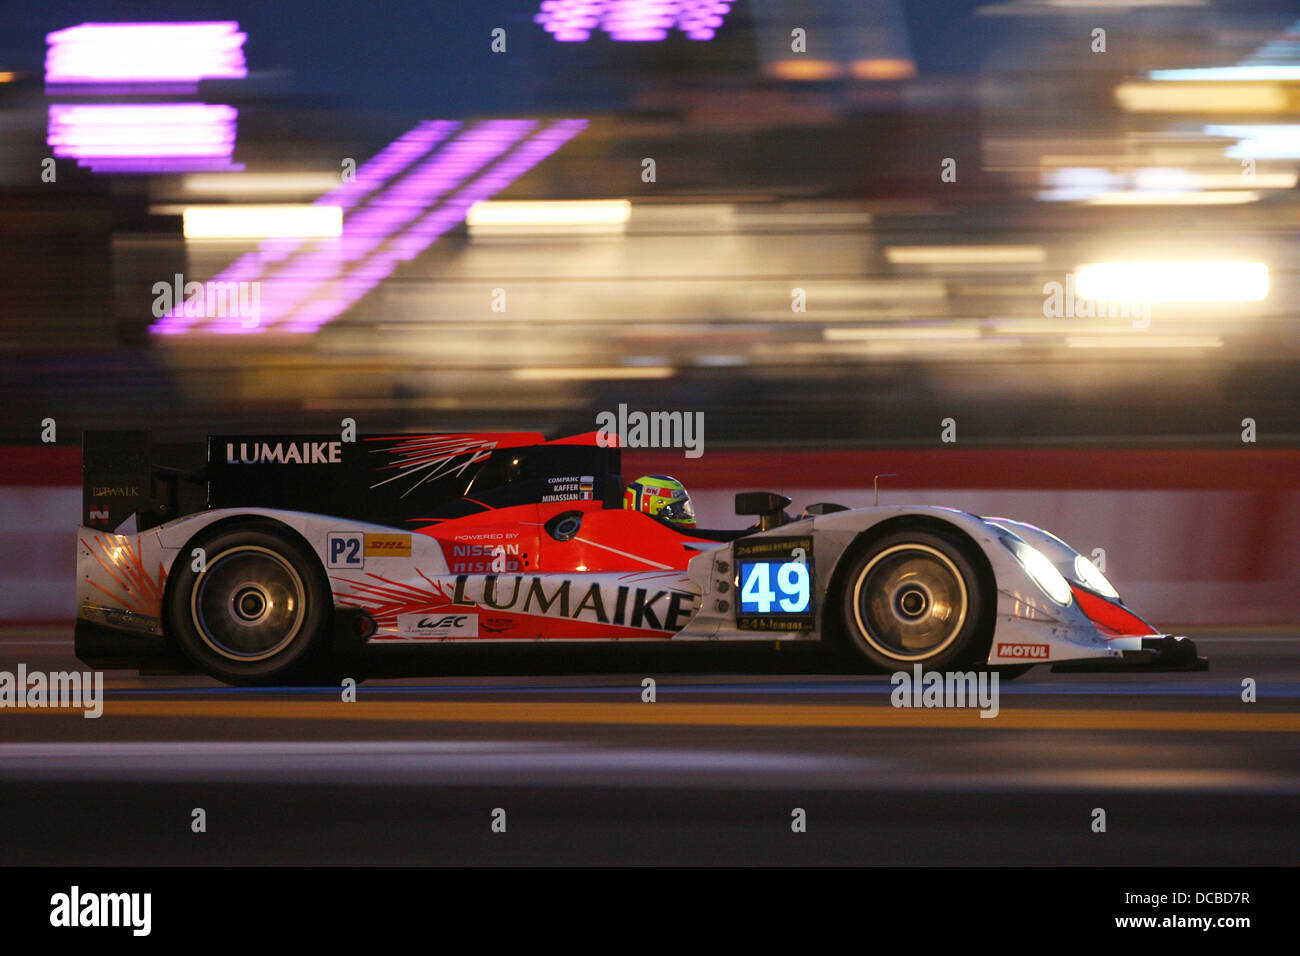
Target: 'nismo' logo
[285, 453]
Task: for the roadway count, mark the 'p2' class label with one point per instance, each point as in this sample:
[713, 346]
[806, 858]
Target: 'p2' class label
[438, 625]
[345, 550]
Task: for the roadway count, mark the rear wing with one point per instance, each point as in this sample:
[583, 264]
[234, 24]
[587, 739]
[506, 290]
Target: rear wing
[129, 483]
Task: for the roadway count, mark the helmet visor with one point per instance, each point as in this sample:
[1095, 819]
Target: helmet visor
[679, 511]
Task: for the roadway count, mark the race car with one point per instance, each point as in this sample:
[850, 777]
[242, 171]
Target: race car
[255, 558]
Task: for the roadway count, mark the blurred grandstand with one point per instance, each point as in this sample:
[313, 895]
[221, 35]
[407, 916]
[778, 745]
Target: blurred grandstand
[774, 172]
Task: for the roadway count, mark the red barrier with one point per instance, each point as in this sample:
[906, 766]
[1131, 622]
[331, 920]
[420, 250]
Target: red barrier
[1081, 469]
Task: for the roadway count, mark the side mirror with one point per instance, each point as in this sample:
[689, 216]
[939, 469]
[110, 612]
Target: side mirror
[760, 502]
[768, 505]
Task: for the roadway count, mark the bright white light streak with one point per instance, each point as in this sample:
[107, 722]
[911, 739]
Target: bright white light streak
[594, 214]
[963, 255]
[559, 374]
[1202, 97]
[1163, 179]
[1260, 142]
[1144, 197]
[259, 184]
[263, 222]
[1173, 281]
[1256, 73]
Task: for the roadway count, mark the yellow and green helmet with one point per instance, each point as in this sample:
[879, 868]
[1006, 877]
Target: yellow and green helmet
[662, 497]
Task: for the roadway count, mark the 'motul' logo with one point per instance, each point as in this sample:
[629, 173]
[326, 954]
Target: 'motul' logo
[1032, 651]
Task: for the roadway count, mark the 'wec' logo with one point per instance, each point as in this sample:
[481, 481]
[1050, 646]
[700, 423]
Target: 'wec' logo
[445, 622]
[438, 626]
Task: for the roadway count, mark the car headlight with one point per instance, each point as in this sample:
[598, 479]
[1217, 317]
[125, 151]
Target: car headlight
[1090, 575]
[1040, 569]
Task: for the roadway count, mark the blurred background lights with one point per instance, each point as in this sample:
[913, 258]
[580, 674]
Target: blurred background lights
[412, 192]
[603, 216]
[1172, 281]
[262, 222]
[145, 52]
[1260, 142]
[146, 137]
[638, 21]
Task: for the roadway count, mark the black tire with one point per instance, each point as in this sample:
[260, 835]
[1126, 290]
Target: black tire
[260, 610]
[915, 597]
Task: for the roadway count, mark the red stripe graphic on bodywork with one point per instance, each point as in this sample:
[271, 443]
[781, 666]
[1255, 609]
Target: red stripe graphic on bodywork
[1113, 620]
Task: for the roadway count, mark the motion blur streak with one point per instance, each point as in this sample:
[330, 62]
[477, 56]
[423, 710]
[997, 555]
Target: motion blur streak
[312, 288]
[524, 218]
[730, 715]
[262, 222]
[154, 137]
[1173, 281]
[140, 52]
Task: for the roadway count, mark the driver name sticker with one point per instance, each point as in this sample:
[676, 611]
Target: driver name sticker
[570, 488]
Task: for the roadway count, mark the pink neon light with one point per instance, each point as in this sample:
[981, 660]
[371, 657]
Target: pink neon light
[410, 204]
[145, 52]
[390, 162]
[636, 21]
[389, 212]
[424, 233]
[106, 136]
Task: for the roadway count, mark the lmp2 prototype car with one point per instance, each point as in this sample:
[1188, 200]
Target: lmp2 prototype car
[257, 558]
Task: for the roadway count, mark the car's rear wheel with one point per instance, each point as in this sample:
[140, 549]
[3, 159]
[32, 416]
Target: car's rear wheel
[258, 609]
[915, 597]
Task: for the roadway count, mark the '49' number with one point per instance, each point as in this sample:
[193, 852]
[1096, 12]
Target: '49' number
[791, 593]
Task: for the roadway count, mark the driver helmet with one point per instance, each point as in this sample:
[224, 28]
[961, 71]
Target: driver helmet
[662, 497]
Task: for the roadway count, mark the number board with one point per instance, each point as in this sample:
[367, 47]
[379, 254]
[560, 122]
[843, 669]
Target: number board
[775, 584]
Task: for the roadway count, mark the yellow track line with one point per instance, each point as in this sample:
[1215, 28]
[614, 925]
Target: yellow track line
[720, 715]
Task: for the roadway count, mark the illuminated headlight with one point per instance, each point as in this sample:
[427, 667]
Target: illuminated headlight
[1090, 576]
[1042, 571]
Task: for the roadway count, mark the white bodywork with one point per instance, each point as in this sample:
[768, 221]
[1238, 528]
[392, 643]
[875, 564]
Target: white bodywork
[121, 581]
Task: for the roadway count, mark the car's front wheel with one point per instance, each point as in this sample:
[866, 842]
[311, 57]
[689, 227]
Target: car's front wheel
[255, 610]
[915, 597]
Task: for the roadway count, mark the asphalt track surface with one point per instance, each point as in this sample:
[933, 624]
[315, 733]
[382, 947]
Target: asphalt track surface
[713, 771]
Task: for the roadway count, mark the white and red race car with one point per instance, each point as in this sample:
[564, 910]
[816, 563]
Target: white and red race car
[259, 561]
